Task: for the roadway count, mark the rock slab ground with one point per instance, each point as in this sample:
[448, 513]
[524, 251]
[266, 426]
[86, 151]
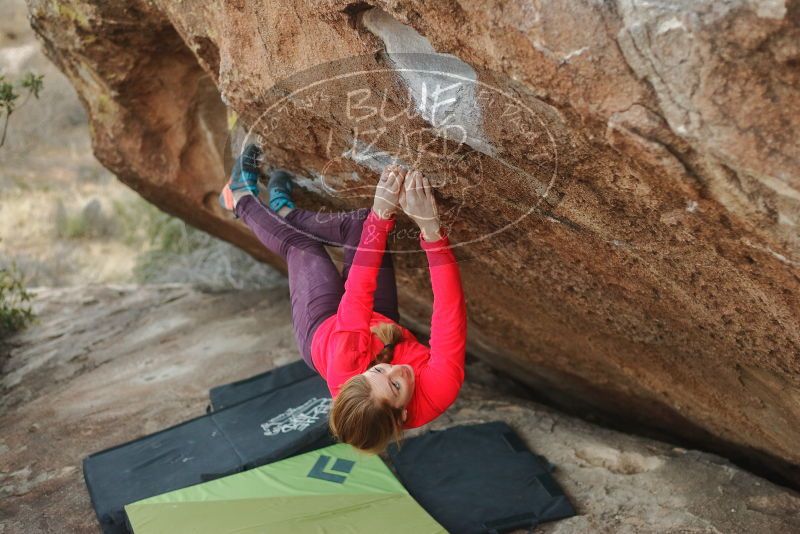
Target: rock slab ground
[106, 364]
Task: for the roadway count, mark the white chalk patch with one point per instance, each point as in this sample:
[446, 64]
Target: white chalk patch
[779, 186]
[368, 155]
[691, 206]
[770, 9]
[670, 24]
[315, 185]
[442, 86]
[780, 257]
[574, 53]
[544, 50]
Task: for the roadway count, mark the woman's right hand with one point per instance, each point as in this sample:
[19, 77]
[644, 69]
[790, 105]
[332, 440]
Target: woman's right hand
[388, 190]
[418, 202]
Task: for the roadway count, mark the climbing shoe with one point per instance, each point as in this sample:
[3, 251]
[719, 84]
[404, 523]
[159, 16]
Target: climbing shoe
[244, 177]
[280, 190]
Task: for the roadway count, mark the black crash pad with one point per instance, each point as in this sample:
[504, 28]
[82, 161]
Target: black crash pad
[479, 478]
[288, 417]
[236, 392]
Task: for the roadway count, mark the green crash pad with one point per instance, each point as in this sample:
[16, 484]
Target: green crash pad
[334, 489]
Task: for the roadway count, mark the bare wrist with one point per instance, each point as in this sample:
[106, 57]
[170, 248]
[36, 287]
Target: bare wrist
[431, 233]
[383, 213]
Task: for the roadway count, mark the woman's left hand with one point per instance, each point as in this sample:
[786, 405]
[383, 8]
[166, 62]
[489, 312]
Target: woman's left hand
[388, 191]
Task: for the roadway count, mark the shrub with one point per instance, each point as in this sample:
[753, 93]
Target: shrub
[31, 84]
[141, 223]
[89, 223]
[15, 309]
[172, 251]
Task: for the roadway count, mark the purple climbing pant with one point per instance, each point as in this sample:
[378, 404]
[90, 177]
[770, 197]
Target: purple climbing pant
[315, 286]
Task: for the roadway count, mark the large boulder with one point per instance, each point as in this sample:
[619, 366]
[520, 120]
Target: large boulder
[622, 178]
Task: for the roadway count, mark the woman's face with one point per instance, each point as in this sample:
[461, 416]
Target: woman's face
[394, 383]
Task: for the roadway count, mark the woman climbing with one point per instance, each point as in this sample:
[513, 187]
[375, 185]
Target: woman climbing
[381, 378]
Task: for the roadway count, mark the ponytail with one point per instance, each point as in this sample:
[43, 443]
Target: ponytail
[391, 334]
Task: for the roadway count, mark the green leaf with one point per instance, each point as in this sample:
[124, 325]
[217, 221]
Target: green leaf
[7, 96]
[33, 83]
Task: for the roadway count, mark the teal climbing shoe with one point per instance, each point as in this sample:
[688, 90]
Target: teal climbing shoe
[244, 176]
[280, 190]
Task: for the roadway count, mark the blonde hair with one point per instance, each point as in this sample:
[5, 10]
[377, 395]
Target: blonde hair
[391, 334]
[359, 419]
